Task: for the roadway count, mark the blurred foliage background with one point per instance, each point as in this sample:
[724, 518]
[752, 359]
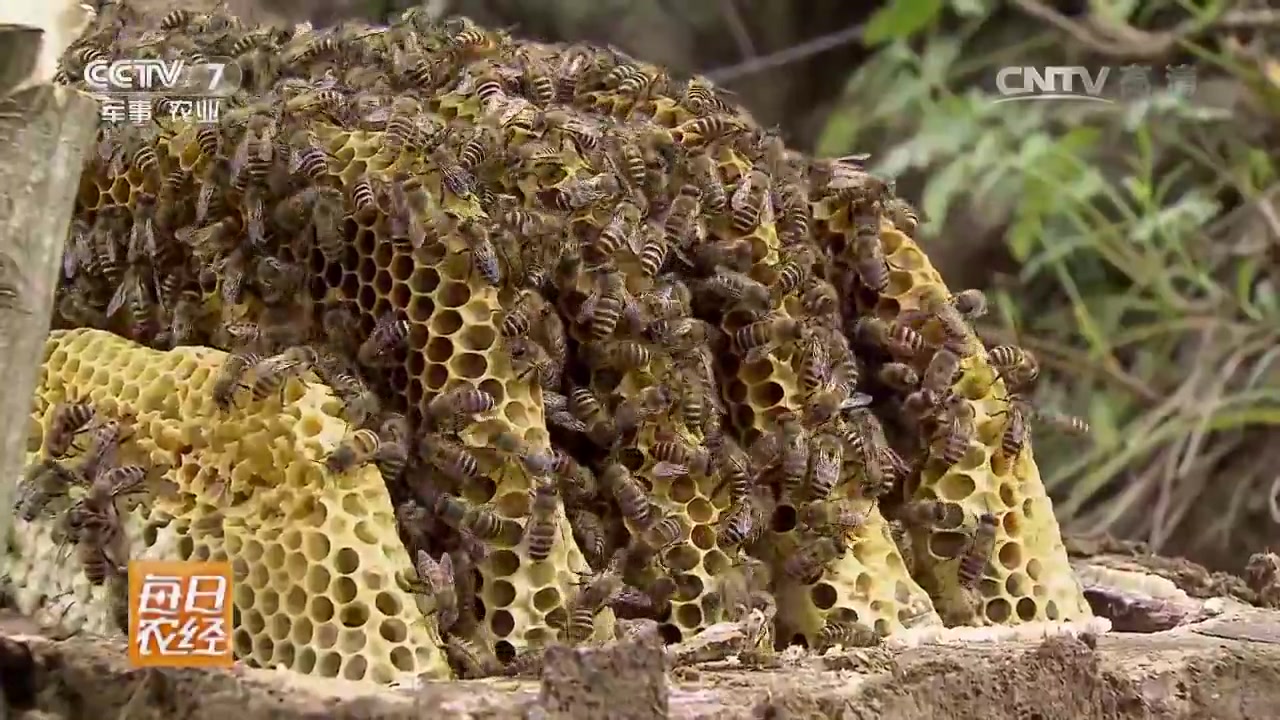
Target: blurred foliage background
[1135, 246]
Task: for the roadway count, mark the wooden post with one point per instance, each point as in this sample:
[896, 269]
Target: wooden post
[46, 132]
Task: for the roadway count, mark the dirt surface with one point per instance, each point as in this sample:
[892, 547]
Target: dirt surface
[1225, 668]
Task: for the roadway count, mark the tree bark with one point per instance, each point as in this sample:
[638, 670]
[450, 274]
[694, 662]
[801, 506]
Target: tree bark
[46, 132]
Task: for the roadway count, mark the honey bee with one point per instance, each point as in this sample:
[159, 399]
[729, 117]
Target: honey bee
[484, 257]
[540, 528]
[732, 463]
[359, 402]
[654, 250]
[707, 175]
[974, 561]
[589, 531]
[277, 280]
[867, 440]
[821, 299]
[389, 335]
[1068, 424]
[972, 304]
[481, 522]
[587, 407]
[585, 136]
[941, 372]
[898, 339]
[794, 213]
[1018, 367]
[414, 217]
[94, 522]
[273, 373]
[922, 513]
[46, 479]
[846, 633]
[326, 221]
[619, 354]
[958, 337]
[826, 462]
[955, 432]
[230, 378]
[795, 271]
[587, 602]
[793, 453]
[869, 259]
[739, 288]
[451, 458]
[748, 200]
[618, 233]
[744, 523]
[632, 160]
[704, 130]
[453, 177]
[68, 420]
[675, 458]
[580, 193]
[810, 560]
[469, 659]
[435, 579]
[603, 314]
[1016, 433]
[529, 359]
[559, 415]
[899, 376]
[358, 449]
[631, 497]
[903, 215]
[459, 405]
[703, 98]
[839, 515]
[664, 533]
[757, 340]
[682, 217]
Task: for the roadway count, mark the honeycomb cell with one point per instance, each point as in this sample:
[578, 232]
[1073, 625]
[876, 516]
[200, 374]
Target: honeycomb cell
[436, 377]
[343, 590]
[502, 593]
[824, 596]
[504, 563]
[424, 281]
[446, 322]
[471, 366]
[453, 295]
[400, 295]
[478, 338]
[383, 283]
[402, 268]
[683, 489]
[700, 511]
[502, 623]
[367, 298]
[366, 271]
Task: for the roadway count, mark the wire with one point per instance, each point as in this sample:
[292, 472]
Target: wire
[795, 53]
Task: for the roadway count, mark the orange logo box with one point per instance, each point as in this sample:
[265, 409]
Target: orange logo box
[180, 614]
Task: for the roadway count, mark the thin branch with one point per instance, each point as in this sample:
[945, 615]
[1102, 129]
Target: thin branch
[738, 29]
[793, 54]
[1126, 41]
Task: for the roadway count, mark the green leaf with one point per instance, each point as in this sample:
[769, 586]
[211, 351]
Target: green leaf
[900, 19]
[944, 187]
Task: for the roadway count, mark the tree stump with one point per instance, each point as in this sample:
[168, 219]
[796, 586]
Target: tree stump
[46, 132]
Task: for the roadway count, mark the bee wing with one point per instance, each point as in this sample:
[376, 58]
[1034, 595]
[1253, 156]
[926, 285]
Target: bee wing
[119, 297]
[855, 401]
[665, 469]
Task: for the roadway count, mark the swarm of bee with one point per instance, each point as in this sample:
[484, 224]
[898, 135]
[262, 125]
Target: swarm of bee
[650, 254]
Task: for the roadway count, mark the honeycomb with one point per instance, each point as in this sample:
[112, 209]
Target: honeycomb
[314, 555]
[1028, 577]
[438, 211]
